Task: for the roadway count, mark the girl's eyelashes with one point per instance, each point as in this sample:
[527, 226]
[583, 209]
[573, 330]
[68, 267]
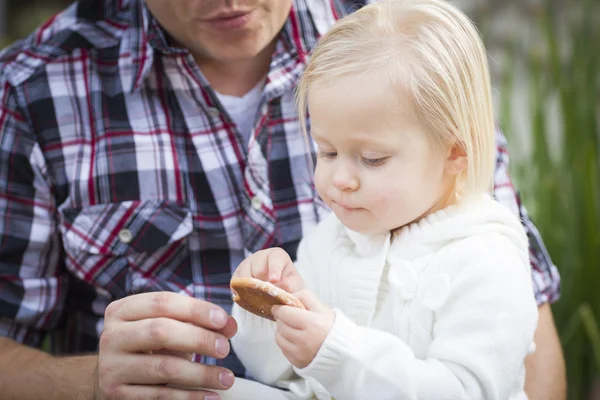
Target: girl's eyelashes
[374, 162]
[326, 154]
[371, 162]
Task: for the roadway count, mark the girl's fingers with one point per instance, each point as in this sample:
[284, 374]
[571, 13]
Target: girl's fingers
[310, 300]
[293, 317]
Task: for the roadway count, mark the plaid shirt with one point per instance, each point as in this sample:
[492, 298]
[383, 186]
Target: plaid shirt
[120, 172]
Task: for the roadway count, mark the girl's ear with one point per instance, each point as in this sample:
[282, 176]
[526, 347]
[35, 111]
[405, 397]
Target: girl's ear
[456, 161]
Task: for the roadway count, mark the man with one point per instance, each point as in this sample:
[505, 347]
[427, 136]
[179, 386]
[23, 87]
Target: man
[149, 146]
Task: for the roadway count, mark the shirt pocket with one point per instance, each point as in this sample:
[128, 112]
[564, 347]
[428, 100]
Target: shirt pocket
[128, 247]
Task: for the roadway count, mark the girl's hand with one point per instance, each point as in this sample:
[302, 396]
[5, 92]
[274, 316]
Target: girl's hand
[300, 333]
[274, 266]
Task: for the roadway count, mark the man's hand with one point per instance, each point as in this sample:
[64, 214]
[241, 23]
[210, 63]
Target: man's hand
[274, 266]
[147, 344]
[300, 333]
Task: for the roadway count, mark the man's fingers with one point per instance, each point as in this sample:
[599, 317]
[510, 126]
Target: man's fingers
[168, 305]
[160, 392]
[164, 333]
[180, 354]
[150, 369]
[230, 328]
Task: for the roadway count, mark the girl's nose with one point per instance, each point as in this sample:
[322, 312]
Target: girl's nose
[344, 180]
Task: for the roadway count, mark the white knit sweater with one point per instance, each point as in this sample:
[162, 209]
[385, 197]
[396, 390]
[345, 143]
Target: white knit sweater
[443, 310]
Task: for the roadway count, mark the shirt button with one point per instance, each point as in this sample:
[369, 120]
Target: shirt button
[213, 112]
[125, 236]
[256, 203]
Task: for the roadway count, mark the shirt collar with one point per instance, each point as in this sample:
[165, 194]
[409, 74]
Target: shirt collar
[139, 45]
[145, 38]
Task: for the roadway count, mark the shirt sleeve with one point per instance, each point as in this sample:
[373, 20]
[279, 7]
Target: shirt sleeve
[32, 286]
[545, 276]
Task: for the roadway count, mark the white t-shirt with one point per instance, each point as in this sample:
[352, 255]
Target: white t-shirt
[242, 110]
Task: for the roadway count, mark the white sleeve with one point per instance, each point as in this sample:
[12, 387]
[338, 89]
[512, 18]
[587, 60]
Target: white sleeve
[244, 389]
[255, 346]
[481, 337]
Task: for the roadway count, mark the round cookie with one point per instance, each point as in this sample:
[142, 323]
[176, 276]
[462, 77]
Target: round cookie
[258, 297]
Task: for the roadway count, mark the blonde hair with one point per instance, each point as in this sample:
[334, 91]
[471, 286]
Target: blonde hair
[435, 52]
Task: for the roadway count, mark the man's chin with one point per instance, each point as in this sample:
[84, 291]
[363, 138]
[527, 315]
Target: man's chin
[239, 50]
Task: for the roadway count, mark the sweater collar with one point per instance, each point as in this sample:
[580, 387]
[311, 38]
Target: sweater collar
[470, 216]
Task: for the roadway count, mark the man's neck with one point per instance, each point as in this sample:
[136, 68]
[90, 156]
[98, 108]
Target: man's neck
[239, 77]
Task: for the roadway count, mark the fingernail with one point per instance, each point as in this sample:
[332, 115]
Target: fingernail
[212, 397]
[218, 317]
[222, 347]
[226, 378]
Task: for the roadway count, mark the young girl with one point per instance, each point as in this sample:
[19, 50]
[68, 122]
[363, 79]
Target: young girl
[418, 285]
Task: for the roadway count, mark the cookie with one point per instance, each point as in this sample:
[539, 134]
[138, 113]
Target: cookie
[258, 297]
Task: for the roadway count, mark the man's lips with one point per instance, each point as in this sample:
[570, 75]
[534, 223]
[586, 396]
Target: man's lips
[232, 20]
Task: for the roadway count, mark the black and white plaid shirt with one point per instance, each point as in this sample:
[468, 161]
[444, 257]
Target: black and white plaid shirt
[120, 171]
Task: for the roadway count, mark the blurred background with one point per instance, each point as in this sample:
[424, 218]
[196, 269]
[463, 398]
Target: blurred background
[545, 62]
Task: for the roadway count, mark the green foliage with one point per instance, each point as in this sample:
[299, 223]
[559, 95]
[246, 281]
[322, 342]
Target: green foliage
[560, 182]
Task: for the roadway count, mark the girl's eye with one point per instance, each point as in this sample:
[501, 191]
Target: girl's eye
[374, 162]
[327, 154]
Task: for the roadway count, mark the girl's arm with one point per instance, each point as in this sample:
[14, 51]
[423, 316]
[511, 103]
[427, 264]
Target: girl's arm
[255, 346]
[481, 337]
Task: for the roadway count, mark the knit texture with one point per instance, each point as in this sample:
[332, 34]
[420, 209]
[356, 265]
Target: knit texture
[442, 309]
